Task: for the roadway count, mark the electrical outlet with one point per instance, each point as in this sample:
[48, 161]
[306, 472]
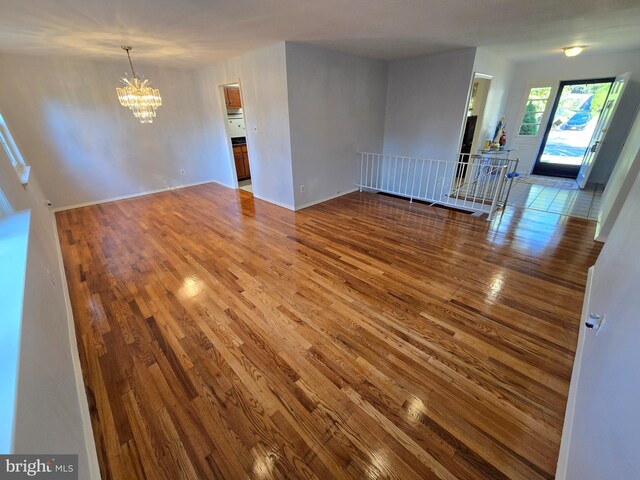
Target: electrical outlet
[182, 172]
[302, 188]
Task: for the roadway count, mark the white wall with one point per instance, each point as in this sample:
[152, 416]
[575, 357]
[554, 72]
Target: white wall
[622, 177]
[582, 67]
[51, 408]
[263, 81]
[336, 109]
[603, 442]
[66, 119]
[426, 104]
[501, 71]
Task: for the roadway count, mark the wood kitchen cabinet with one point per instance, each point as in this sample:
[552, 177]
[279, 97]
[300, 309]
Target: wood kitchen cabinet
[241, 159]
[232, 97]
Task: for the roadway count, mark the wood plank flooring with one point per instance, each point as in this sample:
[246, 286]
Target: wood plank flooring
[223, 337]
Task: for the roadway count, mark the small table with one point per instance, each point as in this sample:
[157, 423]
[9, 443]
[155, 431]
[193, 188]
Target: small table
[498, 152]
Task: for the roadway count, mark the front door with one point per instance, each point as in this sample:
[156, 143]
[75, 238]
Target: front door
[573, 121]
[617, 89]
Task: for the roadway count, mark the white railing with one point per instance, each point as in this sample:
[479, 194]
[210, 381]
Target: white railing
[475, 183]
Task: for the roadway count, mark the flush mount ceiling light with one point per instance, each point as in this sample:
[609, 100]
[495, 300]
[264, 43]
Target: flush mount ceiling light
[573, 51]
[138, 96]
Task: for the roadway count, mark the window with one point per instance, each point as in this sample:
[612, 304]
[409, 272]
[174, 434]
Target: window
[534, 111]
[10, 147]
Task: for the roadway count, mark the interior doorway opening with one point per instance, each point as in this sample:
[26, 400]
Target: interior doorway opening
[472, 139]
[237, 134]
[472, 130]
[573, 120]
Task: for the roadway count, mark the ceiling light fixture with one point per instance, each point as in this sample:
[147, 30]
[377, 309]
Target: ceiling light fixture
[138, 96]
[573, 51]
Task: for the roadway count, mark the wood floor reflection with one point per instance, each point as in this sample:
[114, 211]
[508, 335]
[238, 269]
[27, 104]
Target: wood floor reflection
[224, 337]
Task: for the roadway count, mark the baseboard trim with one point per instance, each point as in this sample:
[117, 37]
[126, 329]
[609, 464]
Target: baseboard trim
[140, 194]
[315, 202]
[280, 204]
[567, 430]
[90, 445]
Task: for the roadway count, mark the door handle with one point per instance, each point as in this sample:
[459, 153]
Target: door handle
[594, 147]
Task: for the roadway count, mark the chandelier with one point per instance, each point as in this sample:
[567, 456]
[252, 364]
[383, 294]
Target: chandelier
[138, 96]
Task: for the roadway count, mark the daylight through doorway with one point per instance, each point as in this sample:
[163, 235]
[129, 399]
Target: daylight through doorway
[573, 120]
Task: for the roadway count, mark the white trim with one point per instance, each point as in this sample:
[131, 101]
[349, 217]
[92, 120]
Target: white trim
[315, 202]
[599, 237]
[13, 152]
[134, 195]
[567, 430]
[279, 204]
[23, 173]
[90, 446]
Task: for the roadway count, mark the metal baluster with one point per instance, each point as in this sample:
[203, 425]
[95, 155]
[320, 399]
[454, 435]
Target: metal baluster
[501, 175]
[395, 172]
[366, 174]
[410, 192]
[361, 169]
[421, 173]
[435, 183]
[426, 191]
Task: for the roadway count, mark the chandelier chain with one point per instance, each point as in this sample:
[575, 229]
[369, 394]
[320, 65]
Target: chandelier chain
[127, 49]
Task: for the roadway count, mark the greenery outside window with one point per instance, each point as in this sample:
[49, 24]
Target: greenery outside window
[534, 111]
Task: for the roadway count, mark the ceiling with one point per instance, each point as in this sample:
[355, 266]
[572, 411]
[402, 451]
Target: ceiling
[199, 32]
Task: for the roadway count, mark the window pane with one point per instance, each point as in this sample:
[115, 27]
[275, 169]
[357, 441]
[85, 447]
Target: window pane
[539, 93]
[529, 129]
[539, 105]
[534, 110]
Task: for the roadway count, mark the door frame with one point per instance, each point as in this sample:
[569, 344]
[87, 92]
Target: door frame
[223, 110]
[474, 75]
[554, 170]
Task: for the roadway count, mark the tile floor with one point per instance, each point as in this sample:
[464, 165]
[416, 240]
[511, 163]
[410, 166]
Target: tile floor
[246, 185]
[573, 202]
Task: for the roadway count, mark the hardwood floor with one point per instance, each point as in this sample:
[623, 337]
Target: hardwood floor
[224, 337]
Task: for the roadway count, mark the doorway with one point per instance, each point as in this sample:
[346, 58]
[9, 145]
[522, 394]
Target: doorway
[573, 119]
[237, 134]
[472, 130]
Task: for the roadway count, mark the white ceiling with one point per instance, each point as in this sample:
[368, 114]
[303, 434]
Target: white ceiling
[199, 32]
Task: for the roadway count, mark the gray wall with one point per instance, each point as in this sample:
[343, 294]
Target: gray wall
[426, 104]
[618, 186]
[51, 408]
[602, 438]
[582, 67]
[336, 109]
[263, 79]
[66, 119]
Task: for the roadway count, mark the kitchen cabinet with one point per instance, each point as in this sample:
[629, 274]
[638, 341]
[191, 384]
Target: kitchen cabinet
[232, 97]
[241, 159]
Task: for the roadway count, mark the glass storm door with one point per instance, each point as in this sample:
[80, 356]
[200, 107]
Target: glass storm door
[574, 118]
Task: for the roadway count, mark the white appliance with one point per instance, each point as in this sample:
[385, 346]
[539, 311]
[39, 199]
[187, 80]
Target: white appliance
[235, 126]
